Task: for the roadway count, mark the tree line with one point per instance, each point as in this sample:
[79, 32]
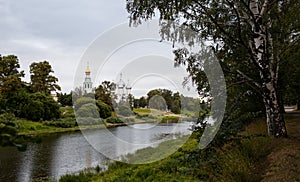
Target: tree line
[28, 100]
[106, 101]
[33, 101]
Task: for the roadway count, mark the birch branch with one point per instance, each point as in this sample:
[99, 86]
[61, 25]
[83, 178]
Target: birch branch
[248, 78]
[264, 8]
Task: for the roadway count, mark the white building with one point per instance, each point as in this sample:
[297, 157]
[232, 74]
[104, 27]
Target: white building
[123, 90]
[88, 84]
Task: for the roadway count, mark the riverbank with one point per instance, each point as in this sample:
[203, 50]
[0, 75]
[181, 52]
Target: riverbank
[256, 157]
[68, 122]
[30, 128]
[58, 154]
[35, 128]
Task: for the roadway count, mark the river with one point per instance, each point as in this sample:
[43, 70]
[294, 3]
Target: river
[63, 153]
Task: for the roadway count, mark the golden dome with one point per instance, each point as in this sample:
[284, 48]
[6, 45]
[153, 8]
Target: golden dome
[87, 71]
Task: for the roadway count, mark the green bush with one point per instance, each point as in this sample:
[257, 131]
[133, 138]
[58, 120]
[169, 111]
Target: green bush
[67, 112]
[84, 121]
[82, 177]
[40, 107]
[8, 129]
[88, 110]
[124, 110]
[82, 101]
[170, 119]
[34, 110]
[104, 109]
[62, 123]
[113, 120]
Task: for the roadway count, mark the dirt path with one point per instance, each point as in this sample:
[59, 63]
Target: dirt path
[284, 160]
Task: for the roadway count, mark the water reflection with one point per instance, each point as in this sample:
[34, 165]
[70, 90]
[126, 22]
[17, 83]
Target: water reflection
[59, 154]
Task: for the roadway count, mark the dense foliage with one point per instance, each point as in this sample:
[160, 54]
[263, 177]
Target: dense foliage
[114, 120]
[40, 107]
[65, 99]
[17, 97]
[164, 99]
[86, 107]
[104, 109]
[8, 129]
[250, 38]
[170, 119]
[234, 28]
[25, 100]
[104, 93]
[41, 78]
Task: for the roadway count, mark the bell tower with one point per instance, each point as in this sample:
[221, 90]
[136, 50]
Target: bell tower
[88, 84]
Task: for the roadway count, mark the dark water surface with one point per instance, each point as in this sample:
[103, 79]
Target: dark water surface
[63, 153]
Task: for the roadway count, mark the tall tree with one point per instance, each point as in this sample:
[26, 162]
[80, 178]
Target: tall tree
[10, 76]
[249, 37]
[41, 78]
[176, 103]
[105, 92]
[10, 83]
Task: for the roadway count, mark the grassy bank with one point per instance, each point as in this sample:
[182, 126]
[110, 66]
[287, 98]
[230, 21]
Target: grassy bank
[256, 157]
[36, 128]
[67, 123]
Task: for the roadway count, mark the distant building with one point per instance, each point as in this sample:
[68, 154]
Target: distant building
[123, 90]
[88, 84]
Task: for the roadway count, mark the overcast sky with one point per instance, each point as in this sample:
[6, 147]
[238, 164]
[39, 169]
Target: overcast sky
[55, 30]
[61, 32]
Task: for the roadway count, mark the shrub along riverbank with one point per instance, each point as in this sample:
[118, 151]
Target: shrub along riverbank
[67, 122]
[252, 156]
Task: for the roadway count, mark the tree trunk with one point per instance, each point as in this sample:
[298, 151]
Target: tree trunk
[263, 53]
[275, 120]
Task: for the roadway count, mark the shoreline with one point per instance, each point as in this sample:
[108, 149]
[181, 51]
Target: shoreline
[53, 130]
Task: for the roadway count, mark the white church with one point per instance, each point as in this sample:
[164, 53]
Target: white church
[88, 84]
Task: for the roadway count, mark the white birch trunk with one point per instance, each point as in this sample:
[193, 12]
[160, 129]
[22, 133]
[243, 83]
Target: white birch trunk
[263, 51]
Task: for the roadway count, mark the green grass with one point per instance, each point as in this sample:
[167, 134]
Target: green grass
[66, 123]
[152, 154]
[35, 128]
[142, 111]
[27, 125]
[170, 119]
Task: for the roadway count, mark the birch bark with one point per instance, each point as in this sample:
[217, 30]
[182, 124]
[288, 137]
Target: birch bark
[263, 51]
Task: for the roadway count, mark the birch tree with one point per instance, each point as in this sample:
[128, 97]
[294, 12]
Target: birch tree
[249, 38]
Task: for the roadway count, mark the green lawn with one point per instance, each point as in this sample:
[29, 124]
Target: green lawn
[35, 128]
[142, 111]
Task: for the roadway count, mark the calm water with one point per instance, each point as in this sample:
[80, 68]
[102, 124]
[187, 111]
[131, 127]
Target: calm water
[59, 154]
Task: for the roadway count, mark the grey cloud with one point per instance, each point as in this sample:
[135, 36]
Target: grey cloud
[57, 31]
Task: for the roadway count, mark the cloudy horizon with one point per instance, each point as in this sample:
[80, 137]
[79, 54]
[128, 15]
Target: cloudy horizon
[70, 34]
[56, 31]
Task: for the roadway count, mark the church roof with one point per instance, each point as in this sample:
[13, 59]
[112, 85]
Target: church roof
[87, 71]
